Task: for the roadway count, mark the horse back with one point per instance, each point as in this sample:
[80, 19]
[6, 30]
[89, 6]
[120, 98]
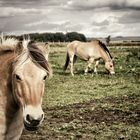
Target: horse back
[84, 50]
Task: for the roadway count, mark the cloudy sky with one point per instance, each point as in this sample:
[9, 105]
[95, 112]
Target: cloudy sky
[94, 18]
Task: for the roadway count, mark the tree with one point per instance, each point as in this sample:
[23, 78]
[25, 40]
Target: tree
[55, 37]
[71, 36]
[59, 37]
[108, 39]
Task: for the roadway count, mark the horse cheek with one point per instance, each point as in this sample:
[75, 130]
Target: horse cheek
[19, 93]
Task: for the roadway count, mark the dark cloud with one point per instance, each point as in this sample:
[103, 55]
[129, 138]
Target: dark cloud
[130, 18]
[124, 7]
[31, 3]
[74, 4]
[88, 5]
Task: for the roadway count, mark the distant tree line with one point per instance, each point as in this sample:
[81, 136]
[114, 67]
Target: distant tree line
[55, 37]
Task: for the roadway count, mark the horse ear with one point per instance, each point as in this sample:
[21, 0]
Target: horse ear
[19, 47]
[46, 50]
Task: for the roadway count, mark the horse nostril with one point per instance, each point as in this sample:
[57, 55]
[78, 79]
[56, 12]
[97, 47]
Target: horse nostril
[34, 121]
[42, 116]
[28, 118]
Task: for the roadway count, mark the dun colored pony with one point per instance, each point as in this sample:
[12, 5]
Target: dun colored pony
[23, 70]
[89, 51]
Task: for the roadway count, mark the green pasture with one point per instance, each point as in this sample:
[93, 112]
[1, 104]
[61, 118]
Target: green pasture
[63, 89]
[98, 107]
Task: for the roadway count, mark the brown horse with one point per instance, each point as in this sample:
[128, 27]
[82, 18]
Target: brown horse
[23, 71]
[89, 51]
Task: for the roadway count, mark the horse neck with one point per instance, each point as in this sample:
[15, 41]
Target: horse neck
[5, 62]
[106, 57]
[6, 77]
[14, 113]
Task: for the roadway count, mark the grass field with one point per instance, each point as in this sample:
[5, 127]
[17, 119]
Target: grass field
[98, 107]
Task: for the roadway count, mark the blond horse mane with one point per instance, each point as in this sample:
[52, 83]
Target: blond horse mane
[26, 49]
[8, 43]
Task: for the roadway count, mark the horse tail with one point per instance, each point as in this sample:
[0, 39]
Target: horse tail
[74, 59]
[66, 62]
[103, 46]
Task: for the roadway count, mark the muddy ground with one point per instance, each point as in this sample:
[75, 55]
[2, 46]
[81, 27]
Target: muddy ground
[115, 117]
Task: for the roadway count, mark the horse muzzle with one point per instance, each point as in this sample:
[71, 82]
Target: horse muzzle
[32, 123]
[112, 72]
[33, 117]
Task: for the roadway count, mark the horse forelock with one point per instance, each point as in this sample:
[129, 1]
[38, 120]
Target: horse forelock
[25, 43]
[38, 57]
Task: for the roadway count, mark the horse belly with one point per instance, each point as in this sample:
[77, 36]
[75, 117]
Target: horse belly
[94, 53]
[83, 57]
[83, 54]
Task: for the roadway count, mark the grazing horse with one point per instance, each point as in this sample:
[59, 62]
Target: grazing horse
[23, 70]
[89, 51]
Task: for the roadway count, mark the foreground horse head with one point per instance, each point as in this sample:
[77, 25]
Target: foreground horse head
[28, 69]
[89, 51]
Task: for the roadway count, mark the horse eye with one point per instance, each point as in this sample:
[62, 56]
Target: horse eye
[18, 77]
[45, 77]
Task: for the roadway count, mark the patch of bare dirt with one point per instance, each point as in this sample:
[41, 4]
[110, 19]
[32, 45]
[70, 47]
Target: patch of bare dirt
[65, 121]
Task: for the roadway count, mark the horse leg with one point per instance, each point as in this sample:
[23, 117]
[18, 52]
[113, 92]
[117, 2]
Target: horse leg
[71, 65]
[95, 67]
[90, 62]
[74, 59]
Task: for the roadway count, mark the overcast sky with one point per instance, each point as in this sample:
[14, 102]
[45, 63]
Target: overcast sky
[94, 18]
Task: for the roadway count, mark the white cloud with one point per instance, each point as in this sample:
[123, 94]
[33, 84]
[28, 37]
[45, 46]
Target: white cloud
[11, 11]
[90, 17]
